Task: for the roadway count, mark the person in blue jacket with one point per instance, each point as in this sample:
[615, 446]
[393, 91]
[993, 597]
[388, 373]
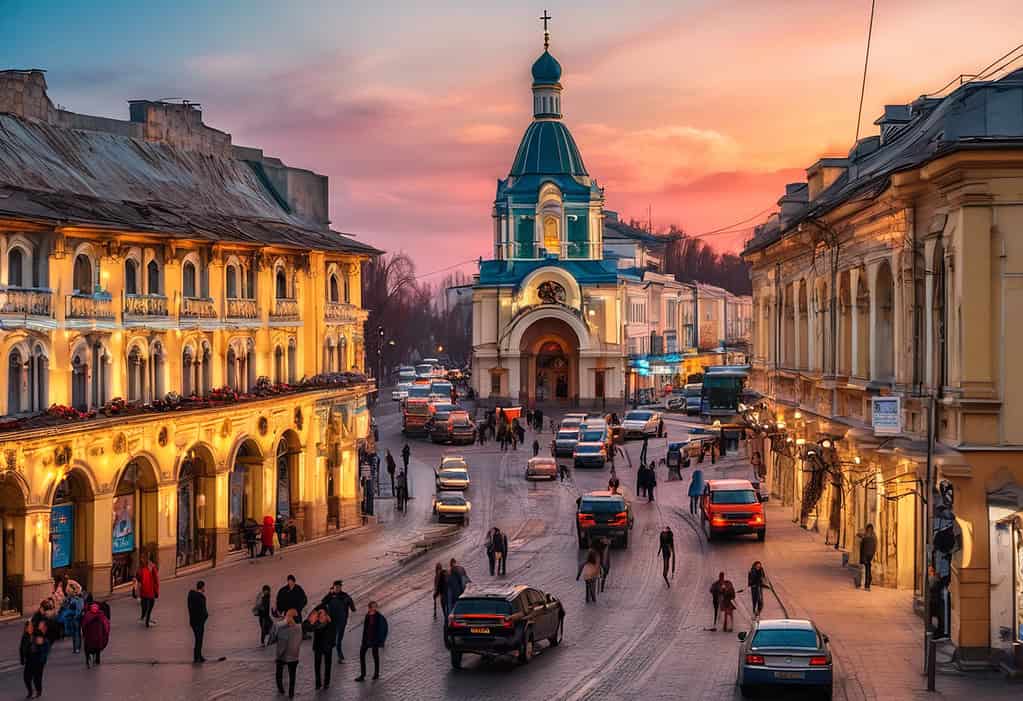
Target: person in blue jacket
[695, 491]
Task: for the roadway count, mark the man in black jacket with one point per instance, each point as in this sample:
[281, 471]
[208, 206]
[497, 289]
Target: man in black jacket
[291, 596]
[501, 551]
[197, 615]
[323, 628]
[868, 548]
[374, 635]
[338, 603]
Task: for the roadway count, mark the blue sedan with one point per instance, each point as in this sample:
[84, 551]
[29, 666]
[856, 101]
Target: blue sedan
[784, 653]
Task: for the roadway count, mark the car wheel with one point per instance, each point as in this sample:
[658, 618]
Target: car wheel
[625, 541]
[555, 639]
[746, 690]
[709, 530]
[526, 651]
[582, 541]
[456, 659]
[761, 535]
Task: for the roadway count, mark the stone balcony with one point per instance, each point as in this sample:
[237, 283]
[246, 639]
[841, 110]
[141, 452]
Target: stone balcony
[197, 308]
[145, 305]
[240, 308]
[26, 301]
[284, 310]
[96, 306]
[342, 312]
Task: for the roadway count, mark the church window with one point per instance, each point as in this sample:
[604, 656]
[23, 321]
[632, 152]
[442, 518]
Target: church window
[551, 235]
[524, 238]
[578, 236]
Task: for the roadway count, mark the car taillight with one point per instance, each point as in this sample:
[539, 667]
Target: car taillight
[586, 519]
[454, 623]
[754, 659]
[506, 622]
[620, 519]
[818, 661]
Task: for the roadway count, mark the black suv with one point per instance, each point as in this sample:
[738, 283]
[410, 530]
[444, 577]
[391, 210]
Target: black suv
[496, 621]
[603, 515]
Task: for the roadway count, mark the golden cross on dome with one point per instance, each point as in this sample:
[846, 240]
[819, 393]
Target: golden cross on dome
[545, 18]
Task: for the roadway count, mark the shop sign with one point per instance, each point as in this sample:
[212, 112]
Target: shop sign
[886, 414]
[62, 528]
[124, 524]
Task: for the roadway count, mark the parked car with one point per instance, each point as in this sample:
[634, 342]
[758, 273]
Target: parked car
[571, 421]
[732, 507]
[541, 467]
[461, 428]
[453, 473]
[780, 654]
[494, 621]
[603, 515]
[401, 391]
[589, 455]
[693, 394]
[642, 423]
[443, 422]
[564, 442]
[452, 506]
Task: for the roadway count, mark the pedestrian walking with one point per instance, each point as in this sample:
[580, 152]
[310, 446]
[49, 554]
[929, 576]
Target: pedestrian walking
[288, 634]
[641, 479]
[529, 418]
[70, 615]
[95, 633]
[197, 615]
[33, 651]
[757, 463]
[374, 635]
[695, 491]
[613, 483]
[147, 585]
[651, 483]
[642, 451]
[727, 605]
[440, 590]
[715, 595]
[338, 604]
[261, 610]
[291, 596]
[536, 447]
[324, 631]
[266, 536]
[458, 579]
[603, 548]
[250, 531]
[589, 570]
[868, 548]
[756, 581]
[666, 550]
[402, 495]
[491, 551]
[391, 467]
[406, 453]
[501, 551]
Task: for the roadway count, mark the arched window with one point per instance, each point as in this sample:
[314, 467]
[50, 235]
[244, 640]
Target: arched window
[188, 279]
[334, 294]
[232, 282]
[250, 283]
[328, 356]
[153, 275]
[83, 274]
[14, 382]
[15, 262]
[342, 354]
[39, 380]
[131, 274]
[79, 383]
[136, 375]
[278, 364]
[232, 369]
[281, 281]
[292, 369]
[187, 373]
[348, 290]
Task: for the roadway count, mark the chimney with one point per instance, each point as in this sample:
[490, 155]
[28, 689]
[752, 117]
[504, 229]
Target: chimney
[894, 118]
[23, 94]
[179, 124]
[793, 201]
[823, 173]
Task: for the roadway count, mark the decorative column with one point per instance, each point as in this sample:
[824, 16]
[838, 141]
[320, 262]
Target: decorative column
[100, 559]
[872, 270]
[167, 528]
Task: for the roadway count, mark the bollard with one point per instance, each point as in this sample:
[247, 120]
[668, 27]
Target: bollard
[932, 648]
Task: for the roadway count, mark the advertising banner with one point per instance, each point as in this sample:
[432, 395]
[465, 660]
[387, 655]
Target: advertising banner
[124, 524]
[62, 530]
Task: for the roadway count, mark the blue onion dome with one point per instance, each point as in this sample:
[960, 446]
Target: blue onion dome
[546, 70]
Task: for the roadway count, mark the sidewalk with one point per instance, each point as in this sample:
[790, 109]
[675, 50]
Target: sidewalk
[876, 636]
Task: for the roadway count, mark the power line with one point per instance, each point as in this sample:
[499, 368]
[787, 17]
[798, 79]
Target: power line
[866, 60]
[725, 229]
[441, 270]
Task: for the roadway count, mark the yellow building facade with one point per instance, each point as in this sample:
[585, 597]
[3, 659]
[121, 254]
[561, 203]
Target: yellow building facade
[182, 336]
[894, 272]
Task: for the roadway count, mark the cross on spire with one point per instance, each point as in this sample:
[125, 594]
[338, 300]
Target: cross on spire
[545, 18]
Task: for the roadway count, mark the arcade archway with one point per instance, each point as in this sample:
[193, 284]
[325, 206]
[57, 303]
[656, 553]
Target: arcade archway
[12, 554]
[550, 362]
[71, 527]
[197, 488]
[135, 514]
[245, 492]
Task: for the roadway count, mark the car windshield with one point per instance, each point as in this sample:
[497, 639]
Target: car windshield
[592, 436]
[638, 416]
[451, 499]
[495, 607]
[588, 448]
[694, 391]
[567, 435]
[419, 391]
[460, 420]
[733, 496]
[785, 637]
[417, 410]
[453, 473]
[602, 506]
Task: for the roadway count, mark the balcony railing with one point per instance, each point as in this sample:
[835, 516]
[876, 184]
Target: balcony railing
[26, 300]
[98, 305]
[566, 250]
[198, 308]
[145, 305]
[285, 309]
[342, 311]
[238, 308]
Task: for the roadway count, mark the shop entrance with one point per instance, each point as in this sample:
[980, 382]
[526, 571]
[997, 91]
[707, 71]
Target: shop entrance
[196, 541]
[133, 531]
[71, 527]
[12, 557]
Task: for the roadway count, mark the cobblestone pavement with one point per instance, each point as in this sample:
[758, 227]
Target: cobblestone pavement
[640, 639]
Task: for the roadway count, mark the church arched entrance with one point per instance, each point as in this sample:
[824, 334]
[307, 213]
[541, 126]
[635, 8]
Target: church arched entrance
[550, 362]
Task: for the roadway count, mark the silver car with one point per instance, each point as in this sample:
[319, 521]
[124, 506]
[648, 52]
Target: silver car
[784, 653]
[642, 423]
[564, 442]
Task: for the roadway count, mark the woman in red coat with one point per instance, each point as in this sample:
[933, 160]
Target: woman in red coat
[148, 584]
[95, 633]
[267, 536]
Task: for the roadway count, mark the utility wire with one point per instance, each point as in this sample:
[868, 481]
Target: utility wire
[866, 60]
[726, 229]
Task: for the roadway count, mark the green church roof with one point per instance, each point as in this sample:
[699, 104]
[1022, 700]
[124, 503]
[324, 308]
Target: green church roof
[548, 148]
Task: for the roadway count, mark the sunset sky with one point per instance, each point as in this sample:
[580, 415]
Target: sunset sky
[700, 110]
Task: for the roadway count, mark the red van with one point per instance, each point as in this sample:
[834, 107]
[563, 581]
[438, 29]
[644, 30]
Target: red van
[732, 507]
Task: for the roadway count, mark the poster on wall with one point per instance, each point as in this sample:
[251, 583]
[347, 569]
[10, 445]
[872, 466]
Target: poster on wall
[886, 416]
[283, 492]
[124, 524]
[62, 529]
[236, 499]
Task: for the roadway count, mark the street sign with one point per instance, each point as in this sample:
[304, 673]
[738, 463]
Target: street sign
[886, 414]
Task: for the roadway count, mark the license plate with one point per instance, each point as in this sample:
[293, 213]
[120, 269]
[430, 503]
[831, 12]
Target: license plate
[480, 631]
[789, 675]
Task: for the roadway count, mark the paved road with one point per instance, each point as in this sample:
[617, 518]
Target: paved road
[640, 639]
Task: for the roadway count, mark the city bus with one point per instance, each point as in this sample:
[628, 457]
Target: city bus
[722, 387]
